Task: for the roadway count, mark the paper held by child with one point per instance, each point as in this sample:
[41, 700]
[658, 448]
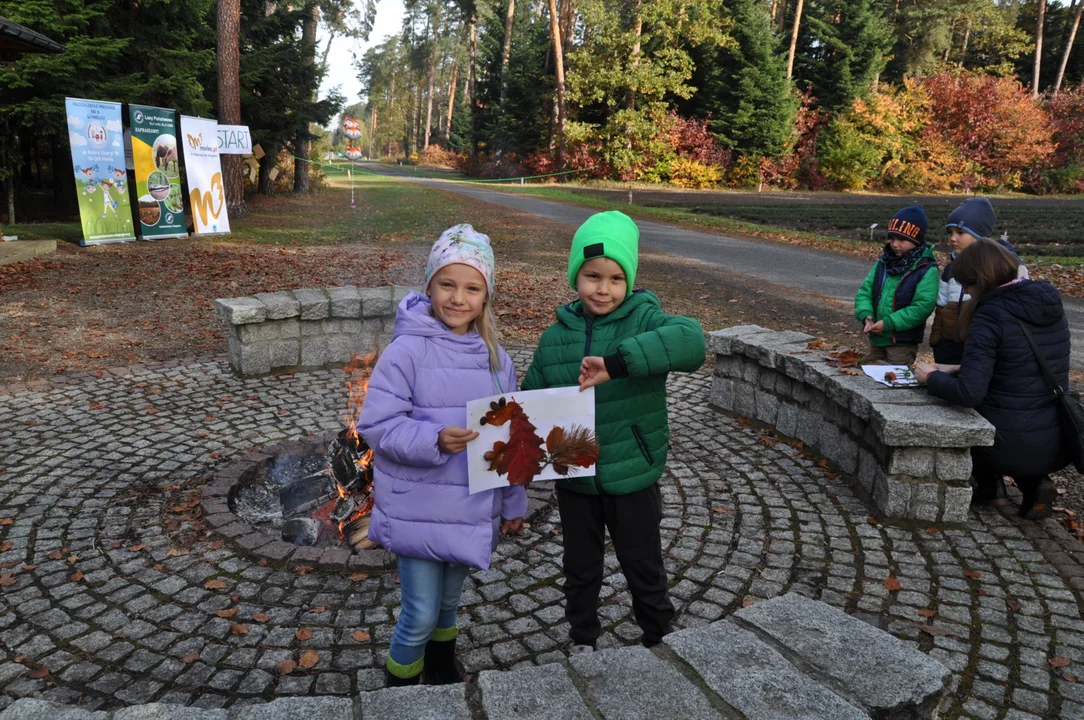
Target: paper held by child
[895, 376]
[529, 436]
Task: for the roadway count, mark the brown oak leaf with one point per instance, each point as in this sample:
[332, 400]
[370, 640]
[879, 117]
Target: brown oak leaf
[892, 584]
[286, 667]
[39, 673]
[358, 577]
[227, 613]
[927, 612]
[1059, 661]
[303, 634]
[309, 659]
[361, 636]
[261, 617]
[216, 584]
[190, 657]
[238, 629]
[76, 576]
[137, 548]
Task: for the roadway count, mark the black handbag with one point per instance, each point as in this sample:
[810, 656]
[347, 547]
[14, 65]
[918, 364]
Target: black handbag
[1070, 409]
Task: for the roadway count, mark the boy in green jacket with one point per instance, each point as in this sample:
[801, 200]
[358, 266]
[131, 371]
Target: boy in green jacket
[900, 292]
[621, 342]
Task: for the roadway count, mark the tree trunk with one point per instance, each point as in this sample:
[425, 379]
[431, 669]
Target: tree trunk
[432, 78]
[967, 38]
[568, 16]
[303, 142]
[9, 185]
[1068, 46]
[506, 53]
[634, 61]
[470, 81]
[266, 185]
[794, 39]
[229, 100]
[451, 100]
[559, 64]
[1038, 49]
[372, 131]
[416, 127]
[782, 16]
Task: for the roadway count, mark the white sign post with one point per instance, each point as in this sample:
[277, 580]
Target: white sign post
[234, 140]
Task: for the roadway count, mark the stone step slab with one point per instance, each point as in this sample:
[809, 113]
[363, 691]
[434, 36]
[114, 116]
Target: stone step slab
[755, 679]
[447, 702]
[632, 684]
[162, 711]
[538, 693]
[886, 676]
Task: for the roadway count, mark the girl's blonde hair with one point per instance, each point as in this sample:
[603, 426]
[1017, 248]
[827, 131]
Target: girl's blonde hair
[486, 325]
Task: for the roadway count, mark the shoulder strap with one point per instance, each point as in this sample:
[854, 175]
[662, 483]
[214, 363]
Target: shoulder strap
[1047, 375]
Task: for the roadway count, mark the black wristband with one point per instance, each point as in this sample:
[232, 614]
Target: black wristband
[615, 365]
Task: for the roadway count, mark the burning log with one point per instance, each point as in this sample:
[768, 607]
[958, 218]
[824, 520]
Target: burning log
[356, 533]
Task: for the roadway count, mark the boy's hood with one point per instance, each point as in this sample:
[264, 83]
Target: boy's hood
[413, 317]
[571, 315]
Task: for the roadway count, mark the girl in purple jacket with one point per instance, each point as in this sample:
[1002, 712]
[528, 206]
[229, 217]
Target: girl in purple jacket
[443, 353]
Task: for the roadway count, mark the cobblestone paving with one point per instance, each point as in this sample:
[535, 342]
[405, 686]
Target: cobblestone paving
[94, 587]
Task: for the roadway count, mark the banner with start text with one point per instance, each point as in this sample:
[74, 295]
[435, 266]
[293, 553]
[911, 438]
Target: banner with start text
[203, 170]
[96, 136]
[157, 172]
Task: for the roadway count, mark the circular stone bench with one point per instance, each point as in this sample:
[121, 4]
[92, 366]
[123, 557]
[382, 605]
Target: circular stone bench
[307, 328]
[788, 657]
[909, 453]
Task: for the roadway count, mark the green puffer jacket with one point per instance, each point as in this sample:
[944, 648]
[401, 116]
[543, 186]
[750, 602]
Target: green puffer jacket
[904, 301]
[630, 412]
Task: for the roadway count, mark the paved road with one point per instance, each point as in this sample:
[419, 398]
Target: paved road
[823, 273]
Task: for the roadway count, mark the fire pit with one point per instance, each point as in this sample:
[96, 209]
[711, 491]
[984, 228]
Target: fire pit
[320, 497]
[307, 502]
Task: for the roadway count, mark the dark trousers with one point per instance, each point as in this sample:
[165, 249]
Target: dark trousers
[633, 522]
[989, 482]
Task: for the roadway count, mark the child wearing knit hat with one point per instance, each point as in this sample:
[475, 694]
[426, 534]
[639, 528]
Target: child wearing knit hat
[619, 341]
[899, 293]
[973, 219]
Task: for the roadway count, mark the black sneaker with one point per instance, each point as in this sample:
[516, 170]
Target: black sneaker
[1042, 505]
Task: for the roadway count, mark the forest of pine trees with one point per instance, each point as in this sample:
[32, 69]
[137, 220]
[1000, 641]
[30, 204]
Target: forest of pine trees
[916, 95]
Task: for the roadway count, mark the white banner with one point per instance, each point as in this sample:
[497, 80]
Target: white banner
[203, 167]
[234, 140]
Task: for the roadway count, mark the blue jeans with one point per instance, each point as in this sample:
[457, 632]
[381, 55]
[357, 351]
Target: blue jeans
[430, 601]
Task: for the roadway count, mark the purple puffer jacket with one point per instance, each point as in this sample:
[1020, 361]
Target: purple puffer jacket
[420, 385]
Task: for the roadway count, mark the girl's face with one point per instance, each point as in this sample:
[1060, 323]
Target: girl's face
[900, 245]
[459, 296]
[959, 239]
[601, 285]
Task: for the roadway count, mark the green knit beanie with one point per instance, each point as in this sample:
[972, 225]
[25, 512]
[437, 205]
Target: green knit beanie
[611, 235]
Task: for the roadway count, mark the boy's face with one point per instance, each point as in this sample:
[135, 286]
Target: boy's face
[959, 239]
[601, 285]
[900, 245]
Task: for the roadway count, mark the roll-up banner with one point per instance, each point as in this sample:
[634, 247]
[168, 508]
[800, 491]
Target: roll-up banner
[203, 170]
[157, 172]
[101, 180]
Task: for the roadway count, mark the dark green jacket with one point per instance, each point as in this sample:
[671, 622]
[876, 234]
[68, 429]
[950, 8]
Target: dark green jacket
[630, 412]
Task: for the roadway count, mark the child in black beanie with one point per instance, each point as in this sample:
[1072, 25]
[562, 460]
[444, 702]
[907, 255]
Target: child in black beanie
[900, 291]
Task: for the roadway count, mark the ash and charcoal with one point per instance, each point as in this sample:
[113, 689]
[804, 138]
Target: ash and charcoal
[315, 498]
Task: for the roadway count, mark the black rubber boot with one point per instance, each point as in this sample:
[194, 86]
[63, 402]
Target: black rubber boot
[1038, 500]
[396, 681]
[440, 667]
[990, 492]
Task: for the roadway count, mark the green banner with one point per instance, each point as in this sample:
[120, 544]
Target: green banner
[157, 172]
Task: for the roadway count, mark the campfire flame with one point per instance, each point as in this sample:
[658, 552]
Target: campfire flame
[358, 372]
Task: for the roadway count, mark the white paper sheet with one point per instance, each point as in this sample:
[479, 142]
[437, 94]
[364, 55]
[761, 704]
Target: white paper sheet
[905, 376]
[545, 409]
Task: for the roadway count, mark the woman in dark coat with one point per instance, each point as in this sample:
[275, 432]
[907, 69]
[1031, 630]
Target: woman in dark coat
[1000, 377]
